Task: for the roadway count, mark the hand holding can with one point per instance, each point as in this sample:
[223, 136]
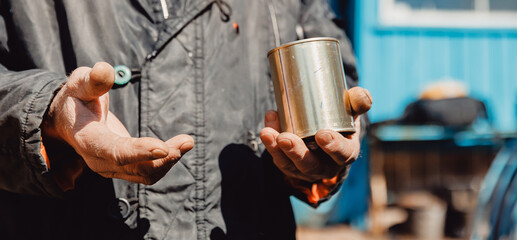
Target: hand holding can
[310, 88]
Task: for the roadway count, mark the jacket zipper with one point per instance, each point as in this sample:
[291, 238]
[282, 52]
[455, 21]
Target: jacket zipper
[165, 9]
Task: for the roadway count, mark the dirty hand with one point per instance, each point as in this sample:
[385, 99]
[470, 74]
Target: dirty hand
[295, 160]
[79, 117]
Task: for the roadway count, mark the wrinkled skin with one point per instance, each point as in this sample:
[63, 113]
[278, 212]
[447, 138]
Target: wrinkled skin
[79, 117]
[295, 160]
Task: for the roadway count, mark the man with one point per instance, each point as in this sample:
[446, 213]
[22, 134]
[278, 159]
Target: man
[188, 72]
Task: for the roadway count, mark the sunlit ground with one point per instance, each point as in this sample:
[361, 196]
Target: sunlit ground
[342, 232]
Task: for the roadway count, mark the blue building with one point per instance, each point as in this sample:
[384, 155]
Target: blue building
[404, 45]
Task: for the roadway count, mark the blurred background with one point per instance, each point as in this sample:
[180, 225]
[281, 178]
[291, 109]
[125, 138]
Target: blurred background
[438, 161]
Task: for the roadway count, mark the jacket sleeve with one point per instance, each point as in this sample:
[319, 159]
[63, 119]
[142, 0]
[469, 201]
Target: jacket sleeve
[318, 20]
[24, 99]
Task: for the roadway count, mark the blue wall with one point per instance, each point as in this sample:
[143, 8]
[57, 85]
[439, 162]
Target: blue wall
[396, 63]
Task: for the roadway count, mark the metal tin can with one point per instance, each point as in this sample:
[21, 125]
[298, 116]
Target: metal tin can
[310, 87]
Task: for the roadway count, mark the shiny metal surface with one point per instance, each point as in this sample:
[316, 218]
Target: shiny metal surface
[310, 87]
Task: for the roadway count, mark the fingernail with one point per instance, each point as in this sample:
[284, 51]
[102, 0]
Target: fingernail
[285, 144]
[325, 138]
[158, 153]
[271, 117]
[187, 146]
[368, 95]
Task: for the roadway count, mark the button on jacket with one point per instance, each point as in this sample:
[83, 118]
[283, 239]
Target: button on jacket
[194, 67]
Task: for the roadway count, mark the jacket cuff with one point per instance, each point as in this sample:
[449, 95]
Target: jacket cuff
[31, 141]
[64, 172]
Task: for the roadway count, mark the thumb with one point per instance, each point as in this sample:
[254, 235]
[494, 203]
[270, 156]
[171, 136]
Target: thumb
[89, 84]
[360, 100]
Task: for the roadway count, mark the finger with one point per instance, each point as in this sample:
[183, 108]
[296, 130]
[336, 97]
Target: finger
[271, 120]
[151, 169]
[129, 150]
[89, 84]
[182, 142]
[96, 140]
[178, 146]
[304, 160]
[360, 100]
[268, 136]
[130, 178]
[341, 149]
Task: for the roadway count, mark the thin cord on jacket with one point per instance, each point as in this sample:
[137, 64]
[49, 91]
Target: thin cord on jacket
[274, 21]
[225, 9]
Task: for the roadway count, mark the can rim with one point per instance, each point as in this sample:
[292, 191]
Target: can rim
[316, 39]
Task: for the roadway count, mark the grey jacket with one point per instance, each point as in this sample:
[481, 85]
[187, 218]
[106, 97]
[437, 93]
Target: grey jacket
[192, 73]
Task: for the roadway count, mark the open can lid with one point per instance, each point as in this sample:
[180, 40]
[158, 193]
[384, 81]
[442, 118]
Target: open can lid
[317, 39]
